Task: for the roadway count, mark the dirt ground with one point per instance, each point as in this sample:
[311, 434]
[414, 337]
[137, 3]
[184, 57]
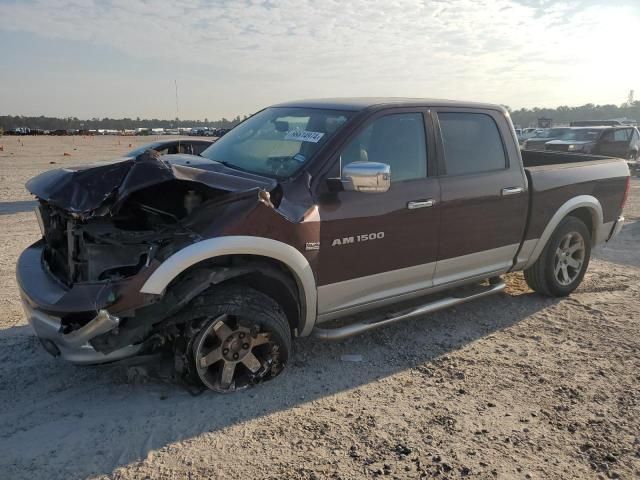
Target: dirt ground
[512, 386]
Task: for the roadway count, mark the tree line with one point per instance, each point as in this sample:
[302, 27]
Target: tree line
[7, 122]
[562, 115]
[522, 116]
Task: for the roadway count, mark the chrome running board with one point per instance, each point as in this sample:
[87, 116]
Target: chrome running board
[338, 333]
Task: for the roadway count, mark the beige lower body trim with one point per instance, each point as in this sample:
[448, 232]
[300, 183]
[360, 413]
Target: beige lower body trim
[494, 260]
[341, 295]
[344, 298]
[241, 245]
[325, 317]
[586, 201]
[525, 253]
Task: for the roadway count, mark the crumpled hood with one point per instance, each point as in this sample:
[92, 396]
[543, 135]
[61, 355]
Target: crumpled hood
[83, 190]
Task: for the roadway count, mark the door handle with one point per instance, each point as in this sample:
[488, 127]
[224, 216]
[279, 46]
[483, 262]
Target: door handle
[421, 204]
[512, 191]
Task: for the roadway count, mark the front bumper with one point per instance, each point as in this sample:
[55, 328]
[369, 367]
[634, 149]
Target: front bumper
[46, 302]
[74, 347]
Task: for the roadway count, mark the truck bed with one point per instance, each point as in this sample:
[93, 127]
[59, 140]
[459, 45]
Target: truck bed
[557, 177]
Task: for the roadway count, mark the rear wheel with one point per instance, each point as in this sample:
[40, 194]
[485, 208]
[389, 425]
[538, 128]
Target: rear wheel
[243, 338]
[563, 263]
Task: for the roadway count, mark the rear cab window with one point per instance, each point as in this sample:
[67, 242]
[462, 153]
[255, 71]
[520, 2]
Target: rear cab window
[471, 143]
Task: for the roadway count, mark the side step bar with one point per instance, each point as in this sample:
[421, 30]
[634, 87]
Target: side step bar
[496, 285]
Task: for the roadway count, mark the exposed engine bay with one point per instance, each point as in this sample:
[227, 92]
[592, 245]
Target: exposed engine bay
[117, 246]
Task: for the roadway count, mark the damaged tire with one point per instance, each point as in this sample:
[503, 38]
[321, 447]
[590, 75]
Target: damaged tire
[241, 338]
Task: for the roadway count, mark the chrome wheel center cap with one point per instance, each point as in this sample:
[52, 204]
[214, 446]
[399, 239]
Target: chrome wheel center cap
[236, 346]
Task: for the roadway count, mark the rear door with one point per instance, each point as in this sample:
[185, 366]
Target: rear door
[378, 246]
[483, 194]
[615, 142]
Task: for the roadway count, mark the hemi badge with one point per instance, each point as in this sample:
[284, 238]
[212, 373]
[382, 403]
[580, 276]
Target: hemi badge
[313, 245]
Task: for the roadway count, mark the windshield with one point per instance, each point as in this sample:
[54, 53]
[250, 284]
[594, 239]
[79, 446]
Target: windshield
[277, 141]
[587, 134]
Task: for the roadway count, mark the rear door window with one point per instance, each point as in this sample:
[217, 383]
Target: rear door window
[472, 143]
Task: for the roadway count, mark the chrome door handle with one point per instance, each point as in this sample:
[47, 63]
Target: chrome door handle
[421, 204]
[512, 191]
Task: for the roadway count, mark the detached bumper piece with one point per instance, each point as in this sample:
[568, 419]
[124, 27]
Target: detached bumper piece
[74, 346]
[46, 301]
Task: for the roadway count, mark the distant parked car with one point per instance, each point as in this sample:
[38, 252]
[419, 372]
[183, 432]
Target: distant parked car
[19, 131]
[198, 132]
[164, 147]
[538, 141]
[596, 123]
[526, 134]
[621, 142]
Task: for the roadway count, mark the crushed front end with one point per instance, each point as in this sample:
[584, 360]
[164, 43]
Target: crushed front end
[105, 230]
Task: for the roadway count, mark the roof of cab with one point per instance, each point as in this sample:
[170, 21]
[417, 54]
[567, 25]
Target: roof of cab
[362, 103]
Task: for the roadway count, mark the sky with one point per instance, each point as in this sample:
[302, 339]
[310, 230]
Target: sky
[122, 58]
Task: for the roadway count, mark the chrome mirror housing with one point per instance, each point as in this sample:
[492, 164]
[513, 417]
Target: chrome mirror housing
[367, 177]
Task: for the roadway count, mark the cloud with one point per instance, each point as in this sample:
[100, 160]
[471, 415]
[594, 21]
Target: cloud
[459, 48]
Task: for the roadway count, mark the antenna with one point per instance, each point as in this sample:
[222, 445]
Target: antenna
[177, 110]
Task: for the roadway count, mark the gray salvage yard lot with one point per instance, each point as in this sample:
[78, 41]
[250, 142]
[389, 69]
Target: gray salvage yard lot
[499, 388]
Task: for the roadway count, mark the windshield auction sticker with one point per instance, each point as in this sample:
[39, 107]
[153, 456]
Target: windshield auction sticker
[303, 136]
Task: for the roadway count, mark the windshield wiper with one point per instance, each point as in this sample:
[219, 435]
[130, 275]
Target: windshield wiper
[240, 169]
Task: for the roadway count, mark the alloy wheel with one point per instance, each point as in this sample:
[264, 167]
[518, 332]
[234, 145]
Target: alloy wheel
[569, 258]
[230, 356]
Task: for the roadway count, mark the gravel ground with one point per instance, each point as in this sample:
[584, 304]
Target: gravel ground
[512, 386]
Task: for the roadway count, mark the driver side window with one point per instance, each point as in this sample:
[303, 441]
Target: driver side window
[397, 140]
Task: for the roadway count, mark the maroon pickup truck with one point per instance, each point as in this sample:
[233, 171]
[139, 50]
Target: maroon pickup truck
[300, 217]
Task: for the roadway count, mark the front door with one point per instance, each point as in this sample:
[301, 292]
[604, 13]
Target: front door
[483, 195]
[376, 246]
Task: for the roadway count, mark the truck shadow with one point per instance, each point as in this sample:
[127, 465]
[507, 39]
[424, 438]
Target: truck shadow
[53, 412]
[9, 208]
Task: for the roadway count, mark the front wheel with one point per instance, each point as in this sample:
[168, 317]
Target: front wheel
[563, 263]
[243, 338]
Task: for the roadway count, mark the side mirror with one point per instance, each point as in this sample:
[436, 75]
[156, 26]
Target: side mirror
[368, 177]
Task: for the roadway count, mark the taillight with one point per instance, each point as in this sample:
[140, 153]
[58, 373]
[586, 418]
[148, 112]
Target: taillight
[626, 194]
